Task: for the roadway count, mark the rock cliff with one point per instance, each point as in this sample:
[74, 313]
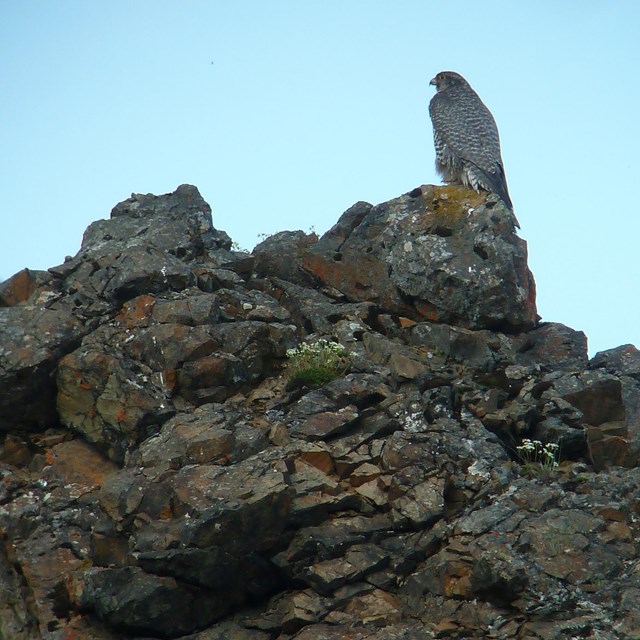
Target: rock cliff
[162, 478]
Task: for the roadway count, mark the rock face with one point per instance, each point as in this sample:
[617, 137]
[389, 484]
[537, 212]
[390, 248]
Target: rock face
[162, 479]
[437, 253]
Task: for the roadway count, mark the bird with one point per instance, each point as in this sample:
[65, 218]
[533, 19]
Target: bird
[466, 138]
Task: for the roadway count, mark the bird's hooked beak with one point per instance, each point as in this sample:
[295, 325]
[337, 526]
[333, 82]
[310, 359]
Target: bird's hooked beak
[433, 82]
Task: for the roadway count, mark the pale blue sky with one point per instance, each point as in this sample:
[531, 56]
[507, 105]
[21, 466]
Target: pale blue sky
[284, 113]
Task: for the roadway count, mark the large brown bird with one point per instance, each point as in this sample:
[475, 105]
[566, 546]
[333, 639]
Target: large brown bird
[466, 137]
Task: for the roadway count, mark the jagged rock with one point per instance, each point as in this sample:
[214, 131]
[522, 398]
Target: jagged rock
[439, 253]
[16, 620]
[279, 256]
[624, 360]
[205, 437]
[129, 598]
[19, 288]
[553, 345]
[159, 477]
[177, 223]
[109, 401]
[32, 339]
[228, 631]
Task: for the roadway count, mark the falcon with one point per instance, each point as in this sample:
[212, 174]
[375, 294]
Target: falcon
[466, 138]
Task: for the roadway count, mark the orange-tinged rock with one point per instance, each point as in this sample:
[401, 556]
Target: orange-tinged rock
[18, 288]
[137, 312]
[79, 464]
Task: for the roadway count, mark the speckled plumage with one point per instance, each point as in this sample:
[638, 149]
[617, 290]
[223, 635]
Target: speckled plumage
[466, 137]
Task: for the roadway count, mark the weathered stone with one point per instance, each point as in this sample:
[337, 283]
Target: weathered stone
[324, 425]
[109, 400]
[414, 255]
[16, 621]
[375, 609]
[553, 345]
[498, 574]
[416, 503]
[279, 255]
[128, 598]
[596, 395]
[205, 437]
[325, 577]
[178, 223]
[624, 360]
[32, 339]
[21, 286]
[482, 350]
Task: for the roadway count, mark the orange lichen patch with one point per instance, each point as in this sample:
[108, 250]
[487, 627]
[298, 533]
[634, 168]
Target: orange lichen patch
[169, 379]
[43, 571]
[451, 203]
[18, 288]
[406, 322]
[166, 513]
[609, 513]
[360, 277]
[455, 582]
[121, 415]
[83, 384]
[319, 459]
[427, 310]
[76, 462]
[137, 312]
[357, 276]
[375, 606]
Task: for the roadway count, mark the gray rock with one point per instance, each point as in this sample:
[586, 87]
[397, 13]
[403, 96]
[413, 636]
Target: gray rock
[279, 255]
[32, 339]
[128, 598]
[420, 255]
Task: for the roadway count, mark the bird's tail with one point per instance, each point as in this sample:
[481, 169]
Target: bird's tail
[494, 182]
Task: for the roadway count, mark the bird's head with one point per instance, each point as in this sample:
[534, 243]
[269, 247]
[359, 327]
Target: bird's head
[446, 79]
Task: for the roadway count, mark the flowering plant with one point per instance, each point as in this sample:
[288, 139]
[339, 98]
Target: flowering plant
[533, 454]
[317, 362]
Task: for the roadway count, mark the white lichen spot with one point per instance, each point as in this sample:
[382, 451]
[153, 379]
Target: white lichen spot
[407, 246]
[476, 470]
[414, 422]
[247, 306]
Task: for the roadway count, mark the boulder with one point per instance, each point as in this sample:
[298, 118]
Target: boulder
[443, 254]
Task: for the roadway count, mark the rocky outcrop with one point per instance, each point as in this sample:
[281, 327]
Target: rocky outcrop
[437, 253]
[162, 478]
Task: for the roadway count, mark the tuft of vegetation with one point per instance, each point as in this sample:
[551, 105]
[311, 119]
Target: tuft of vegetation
[537, 458]
[317, 363]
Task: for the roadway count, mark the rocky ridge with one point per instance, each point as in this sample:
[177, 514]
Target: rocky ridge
[161, 479]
